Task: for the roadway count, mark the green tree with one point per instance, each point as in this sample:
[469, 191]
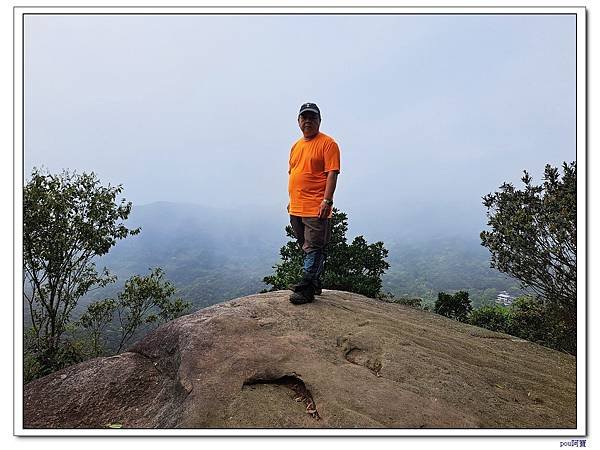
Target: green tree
[455, 306]
[492, 317]
[533, 238]
[355, 267]
[95, 320]
[529, 320]
[68, 220]
[146, 301]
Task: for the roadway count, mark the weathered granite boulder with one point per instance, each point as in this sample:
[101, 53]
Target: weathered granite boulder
[342, 361]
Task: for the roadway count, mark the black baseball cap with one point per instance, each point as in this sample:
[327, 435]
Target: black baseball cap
[310, 107]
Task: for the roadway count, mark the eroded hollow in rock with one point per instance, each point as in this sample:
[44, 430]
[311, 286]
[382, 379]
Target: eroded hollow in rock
[362, 358]
[298, 388]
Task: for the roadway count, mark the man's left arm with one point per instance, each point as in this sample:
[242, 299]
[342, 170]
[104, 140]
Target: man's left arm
[325, 208]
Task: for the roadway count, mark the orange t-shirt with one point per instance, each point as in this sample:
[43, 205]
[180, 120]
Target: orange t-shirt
[310, 160]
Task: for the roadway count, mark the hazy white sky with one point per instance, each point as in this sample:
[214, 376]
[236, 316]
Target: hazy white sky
[430, 112]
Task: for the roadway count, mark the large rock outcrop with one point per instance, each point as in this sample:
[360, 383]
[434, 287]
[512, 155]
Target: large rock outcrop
[342, 361]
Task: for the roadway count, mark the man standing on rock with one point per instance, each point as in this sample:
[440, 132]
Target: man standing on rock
[313, 169]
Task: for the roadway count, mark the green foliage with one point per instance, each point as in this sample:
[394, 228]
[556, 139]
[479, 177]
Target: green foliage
[289, 270]
[32, 366]
[95, 320]
[492, 317]
[534, 319]
[146, 301]
[38, 361]
[455, 306]
[528, 318]
[534, 239]
[172, 309]
[68, 220]
[356, 267]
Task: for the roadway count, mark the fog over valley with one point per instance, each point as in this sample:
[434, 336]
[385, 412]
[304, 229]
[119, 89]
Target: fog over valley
[431, 113]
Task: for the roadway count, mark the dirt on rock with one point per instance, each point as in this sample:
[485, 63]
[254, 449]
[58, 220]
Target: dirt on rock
[343, 361]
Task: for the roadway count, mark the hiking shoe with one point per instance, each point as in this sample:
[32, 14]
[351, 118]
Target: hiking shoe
[318, 289]
[297, 287]
[306, 295]
[303, 285]
[298, 298]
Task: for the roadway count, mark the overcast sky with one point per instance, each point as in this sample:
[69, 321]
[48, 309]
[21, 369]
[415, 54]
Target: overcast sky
[430, 112]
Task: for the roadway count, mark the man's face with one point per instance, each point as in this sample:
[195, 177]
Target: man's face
[309, 123]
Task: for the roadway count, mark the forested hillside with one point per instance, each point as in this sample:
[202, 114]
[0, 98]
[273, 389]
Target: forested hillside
[212, 255]
[209, 254]
[445, 263]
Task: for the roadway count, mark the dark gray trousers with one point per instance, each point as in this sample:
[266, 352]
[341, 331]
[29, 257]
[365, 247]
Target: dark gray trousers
[313, 235]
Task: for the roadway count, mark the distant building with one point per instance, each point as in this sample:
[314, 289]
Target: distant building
[504, 298]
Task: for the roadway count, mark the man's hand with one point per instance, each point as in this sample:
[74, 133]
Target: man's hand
[324, 210]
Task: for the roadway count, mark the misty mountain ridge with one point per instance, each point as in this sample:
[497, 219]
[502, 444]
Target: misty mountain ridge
[215, 254]
[208, 253]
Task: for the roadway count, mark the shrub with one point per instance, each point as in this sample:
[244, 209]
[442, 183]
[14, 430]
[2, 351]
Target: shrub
[491, 317]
